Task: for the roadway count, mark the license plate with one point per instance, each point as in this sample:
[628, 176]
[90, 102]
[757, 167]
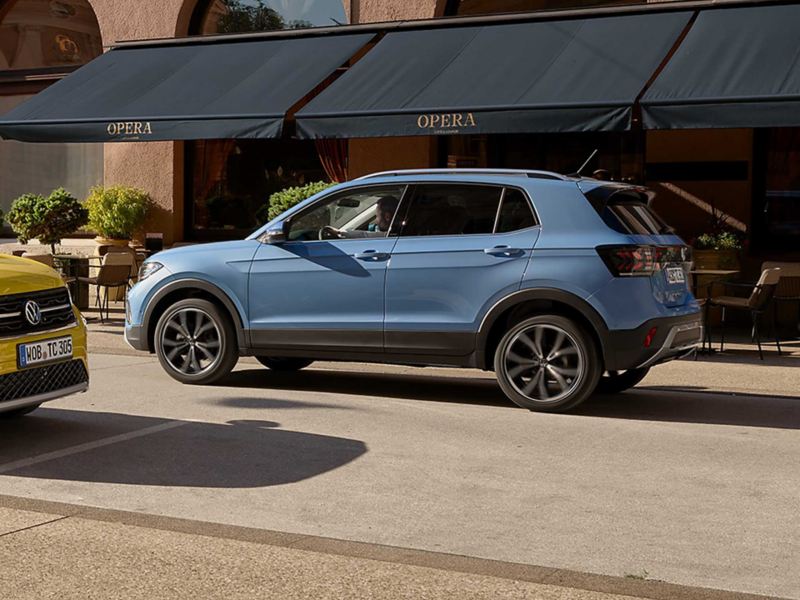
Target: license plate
[44, 351]
[675, 275]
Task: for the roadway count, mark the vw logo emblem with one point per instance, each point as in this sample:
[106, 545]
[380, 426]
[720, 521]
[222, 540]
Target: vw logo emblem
[33, 314]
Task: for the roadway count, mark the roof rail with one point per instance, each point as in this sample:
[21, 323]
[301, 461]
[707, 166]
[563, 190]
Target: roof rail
[513, 172]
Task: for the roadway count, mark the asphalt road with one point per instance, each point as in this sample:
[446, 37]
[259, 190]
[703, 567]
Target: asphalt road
[674, 481]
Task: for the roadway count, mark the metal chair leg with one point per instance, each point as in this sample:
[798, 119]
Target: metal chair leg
[757, 334]
[706, 331]
[99, 303]
[775, 329]
[722, 332]
[105, 301]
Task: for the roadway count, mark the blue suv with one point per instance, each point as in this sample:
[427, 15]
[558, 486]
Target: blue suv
[562, 285]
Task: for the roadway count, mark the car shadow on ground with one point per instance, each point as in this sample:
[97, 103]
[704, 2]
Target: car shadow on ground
[237, 454]
[464, 390]
[679, 405]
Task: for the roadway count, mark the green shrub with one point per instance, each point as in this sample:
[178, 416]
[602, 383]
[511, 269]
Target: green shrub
[282, 201]
[46, 219]
[117, 212]
[725, 240]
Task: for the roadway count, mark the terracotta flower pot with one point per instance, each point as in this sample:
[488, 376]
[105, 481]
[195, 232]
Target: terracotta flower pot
[101, 241]
[727, 259]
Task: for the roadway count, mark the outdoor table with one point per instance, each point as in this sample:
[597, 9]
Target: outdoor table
[75, 266]
[718, 274]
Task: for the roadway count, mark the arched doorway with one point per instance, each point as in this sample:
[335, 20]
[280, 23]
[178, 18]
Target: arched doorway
[41, 41]
[228, 182]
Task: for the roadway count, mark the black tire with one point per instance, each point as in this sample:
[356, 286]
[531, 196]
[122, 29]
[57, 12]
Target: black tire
[174, 349]
[20, 412]
[614, 382]
[284, 364]
[557, 376]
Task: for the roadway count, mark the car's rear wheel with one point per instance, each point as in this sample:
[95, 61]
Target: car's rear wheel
[547, 363]
[284, 364]
[195, 342]
[19, 412]
[614, 382]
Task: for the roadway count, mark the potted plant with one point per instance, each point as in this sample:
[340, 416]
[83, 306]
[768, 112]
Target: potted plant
[47, 219]
[117, 212]
[717, 250]
[282, 201]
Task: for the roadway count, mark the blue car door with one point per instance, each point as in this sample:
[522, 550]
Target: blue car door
[462, 247]
[323, 288]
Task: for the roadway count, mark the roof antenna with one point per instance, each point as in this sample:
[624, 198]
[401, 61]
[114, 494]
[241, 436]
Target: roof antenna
[585, 164]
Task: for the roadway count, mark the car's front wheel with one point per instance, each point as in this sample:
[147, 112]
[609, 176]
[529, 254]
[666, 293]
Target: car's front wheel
[614, 382]
[547, 363]
[284, 364]
[195, 342]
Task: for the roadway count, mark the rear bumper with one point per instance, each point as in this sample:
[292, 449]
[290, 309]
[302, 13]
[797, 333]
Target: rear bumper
[674, 337]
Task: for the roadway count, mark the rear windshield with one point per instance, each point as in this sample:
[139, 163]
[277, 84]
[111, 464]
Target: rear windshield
[626, 212]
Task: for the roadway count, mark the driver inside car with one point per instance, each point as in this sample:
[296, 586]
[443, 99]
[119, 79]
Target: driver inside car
[385, 208]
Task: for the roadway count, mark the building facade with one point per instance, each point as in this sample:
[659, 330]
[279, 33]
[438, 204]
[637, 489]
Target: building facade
[748, 179]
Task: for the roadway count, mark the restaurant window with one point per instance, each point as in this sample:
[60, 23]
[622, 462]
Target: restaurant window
[238, 16]
[485, 7]
[228, 182]
[776, 218]
[619, 154]
[36, 34]
[40, 42]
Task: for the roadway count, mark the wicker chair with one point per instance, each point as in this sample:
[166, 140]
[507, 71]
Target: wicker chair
[787, 294]
[757, 303]
[112, 274]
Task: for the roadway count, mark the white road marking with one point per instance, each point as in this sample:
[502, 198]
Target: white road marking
[34, 460]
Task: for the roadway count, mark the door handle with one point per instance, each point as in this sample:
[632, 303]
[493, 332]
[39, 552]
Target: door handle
[373, 255]
[504, 251]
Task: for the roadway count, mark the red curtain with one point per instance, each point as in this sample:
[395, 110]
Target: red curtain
[210, 160]
[334, 158]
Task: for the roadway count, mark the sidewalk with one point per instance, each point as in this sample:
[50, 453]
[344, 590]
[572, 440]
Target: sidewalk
[80, 553]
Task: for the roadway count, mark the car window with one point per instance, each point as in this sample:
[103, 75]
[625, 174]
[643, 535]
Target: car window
[360, 213]
[626, 212]
[515, 213]
[633, 217]
[452, 210]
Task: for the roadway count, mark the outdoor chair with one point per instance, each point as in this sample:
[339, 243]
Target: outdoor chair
[45, 259]
[110, 275]
[757, 303]
[787, 294]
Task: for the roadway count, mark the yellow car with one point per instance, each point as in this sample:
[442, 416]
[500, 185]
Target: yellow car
[42, 338]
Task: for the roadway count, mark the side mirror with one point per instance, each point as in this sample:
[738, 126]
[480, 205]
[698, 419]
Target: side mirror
[276, 234]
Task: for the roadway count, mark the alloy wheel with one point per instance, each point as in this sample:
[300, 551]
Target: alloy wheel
[543, 362]
[191, 341]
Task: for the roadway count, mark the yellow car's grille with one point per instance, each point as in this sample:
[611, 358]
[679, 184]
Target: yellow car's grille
[42, 380]
[51, 310]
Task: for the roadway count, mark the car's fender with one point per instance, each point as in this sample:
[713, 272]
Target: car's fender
[225, 297]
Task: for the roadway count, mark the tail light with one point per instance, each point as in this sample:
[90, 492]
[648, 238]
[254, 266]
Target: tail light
[642, 261]
[629, 261]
